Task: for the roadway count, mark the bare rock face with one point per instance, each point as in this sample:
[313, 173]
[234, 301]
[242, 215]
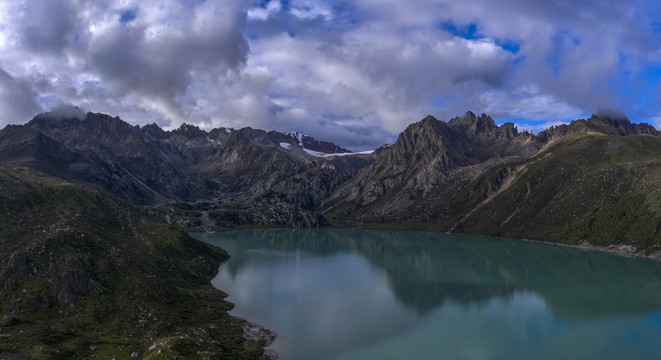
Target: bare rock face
[479, 138]
[115, 156]
[426, 152]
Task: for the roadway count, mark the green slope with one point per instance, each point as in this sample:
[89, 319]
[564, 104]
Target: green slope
[603, 189]
[84, 276]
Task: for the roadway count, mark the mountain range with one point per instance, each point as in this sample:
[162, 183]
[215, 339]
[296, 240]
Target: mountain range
[92, 210]
[593, 180]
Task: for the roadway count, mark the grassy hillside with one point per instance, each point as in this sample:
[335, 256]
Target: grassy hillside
[591, 187]
[83, 276]
[586, 187]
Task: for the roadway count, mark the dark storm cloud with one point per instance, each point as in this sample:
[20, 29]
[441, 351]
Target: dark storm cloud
[46, 25]
[134, 56]
[16, 100]
[161, 60]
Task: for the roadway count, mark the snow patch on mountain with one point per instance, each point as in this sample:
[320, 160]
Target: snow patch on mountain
[320, 154]
[298, 136]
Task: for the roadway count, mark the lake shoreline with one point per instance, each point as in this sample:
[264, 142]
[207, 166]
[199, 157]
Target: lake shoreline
[257, 333]
[619, 249]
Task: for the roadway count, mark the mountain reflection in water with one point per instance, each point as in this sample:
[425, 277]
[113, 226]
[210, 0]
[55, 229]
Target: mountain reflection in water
[332, 293]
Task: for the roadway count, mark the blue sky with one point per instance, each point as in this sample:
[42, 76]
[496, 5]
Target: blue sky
[354, 72]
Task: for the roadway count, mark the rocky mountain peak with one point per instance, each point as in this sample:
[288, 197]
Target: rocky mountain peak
[509, 130]
[607, 124]
[107, 127]
[189, 131]
[466, 139]
[428, 119]
[104, 119]
[476, 124]
[51, 121]
[220, 132]
[618, 125]
[153, 131]
[425, 135]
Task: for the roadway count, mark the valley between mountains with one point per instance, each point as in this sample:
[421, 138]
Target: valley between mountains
[94, 214]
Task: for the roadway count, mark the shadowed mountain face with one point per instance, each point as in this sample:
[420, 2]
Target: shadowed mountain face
[153, 165]
[270, 175]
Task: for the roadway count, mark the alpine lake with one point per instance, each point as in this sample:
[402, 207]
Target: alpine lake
[373, 294]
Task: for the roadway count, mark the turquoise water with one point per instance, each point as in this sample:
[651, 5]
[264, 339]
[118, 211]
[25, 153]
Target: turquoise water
[367, 294]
